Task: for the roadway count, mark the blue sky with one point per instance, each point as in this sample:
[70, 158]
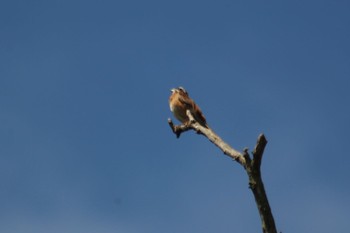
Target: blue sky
[84, 140]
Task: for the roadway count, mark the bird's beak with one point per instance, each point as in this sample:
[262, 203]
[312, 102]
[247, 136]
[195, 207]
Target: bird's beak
[172, 90]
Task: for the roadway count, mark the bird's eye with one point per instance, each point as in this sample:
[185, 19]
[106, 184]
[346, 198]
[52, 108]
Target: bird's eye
[182, 89]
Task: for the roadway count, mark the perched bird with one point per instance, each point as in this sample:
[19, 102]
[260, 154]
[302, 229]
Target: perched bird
[180, 102]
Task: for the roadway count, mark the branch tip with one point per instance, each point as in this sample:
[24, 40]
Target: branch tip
[179, 129]
[259, 151]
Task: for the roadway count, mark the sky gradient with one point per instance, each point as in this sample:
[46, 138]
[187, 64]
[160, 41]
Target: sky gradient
[84, 140]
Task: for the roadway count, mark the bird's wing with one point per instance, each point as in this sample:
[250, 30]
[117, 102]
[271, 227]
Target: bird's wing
[195, 110]
[188, 102]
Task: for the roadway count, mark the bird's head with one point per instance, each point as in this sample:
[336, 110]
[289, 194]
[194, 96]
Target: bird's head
[179, 90]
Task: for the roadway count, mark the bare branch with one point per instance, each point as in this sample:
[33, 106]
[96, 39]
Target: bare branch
[259, 151]
[178, 129]
[251, 166]
[209, 133]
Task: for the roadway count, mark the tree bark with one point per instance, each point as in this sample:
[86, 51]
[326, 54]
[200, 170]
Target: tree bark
[251, 165]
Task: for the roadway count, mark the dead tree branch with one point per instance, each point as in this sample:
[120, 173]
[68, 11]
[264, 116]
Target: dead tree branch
[251, 165]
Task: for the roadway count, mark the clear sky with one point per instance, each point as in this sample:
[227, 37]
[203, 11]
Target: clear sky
[84, 140]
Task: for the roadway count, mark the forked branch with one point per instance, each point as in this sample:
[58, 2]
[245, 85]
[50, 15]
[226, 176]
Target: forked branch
[250, 165]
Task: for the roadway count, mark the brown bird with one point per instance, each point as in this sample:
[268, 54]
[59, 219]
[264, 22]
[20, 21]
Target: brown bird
[180, 102]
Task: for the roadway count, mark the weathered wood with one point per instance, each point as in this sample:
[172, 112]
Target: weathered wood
[250, 165]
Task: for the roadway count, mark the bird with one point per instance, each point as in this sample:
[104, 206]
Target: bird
[180, 102]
